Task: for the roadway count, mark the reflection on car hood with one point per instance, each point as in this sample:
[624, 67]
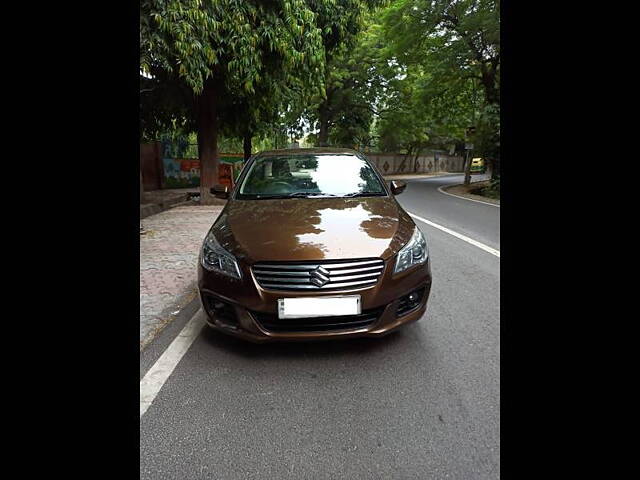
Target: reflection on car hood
[313, 228]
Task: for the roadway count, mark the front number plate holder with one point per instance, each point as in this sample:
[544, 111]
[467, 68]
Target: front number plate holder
[329, 306]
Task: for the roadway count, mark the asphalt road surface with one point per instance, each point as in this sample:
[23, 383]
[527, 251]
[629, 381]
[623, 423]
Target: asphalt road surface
[421, 403]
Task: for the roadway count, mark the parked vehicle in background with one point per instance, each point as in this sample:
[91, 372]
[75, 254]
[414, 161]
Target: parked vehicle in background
[478, 165]
[312, 244]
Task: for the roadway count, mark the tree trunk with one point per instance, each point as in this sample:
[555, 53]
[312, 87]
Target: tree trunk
[415, 160]
[141, 188]
[207, 141]
[467, 168]
[323, 136]
[491, 93]
[246, 146]
[495, 168]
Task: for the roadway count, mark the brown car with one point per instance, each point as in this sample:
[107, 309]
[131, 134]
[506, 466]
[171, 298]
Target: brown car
[312, 244]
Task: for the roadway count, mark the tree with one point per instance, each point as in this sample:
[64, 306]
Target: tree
[420, 112]
[457, 44]
[355, 81]
[262, 112]
[379, 86]
[213, 49]
[460, 38]
[340, 21]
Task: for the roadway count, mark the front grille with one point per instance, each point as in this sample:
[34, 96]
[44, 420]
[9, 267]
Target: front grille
[321, 275]
[271, 322]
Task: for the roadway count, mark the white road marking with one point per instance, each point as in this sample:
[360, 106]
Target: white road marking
[154, 379]
[440, 189]
[484, 247]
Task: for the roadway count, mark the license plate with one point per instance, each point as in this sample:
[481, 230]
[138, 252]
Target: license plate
[303, 307]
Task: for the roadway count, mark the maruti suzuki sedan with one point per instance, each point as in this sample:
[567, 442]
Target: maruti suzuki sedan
[311, 245]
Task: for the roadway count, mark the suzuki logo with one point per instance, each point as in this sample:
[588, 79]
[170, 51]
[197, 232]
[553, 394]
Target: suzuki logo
[319, 277]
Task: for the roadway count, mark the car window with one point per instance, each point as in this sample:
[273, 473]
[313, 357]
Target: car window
[310, 175]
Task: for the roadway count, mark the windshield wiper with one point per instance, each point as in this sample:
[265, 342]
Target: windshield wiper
[268, 196]
[259, 196]
[309, 194]
[363, 194]
[317, 194]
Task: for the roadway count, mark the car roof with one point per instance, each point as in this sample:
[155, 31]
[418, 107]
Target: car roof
[307, 151]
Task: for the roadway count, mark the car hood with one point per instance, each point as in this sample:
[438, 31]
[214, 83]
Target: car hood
[302, 229]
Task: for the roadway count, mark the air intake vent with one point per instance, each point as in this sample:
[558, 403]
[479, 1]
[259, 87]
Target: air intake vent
[322, 275]
[272, 323]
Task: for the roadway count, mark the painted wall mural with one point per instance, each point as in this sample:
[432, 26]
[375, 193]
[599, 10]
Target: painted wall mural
[185, 172]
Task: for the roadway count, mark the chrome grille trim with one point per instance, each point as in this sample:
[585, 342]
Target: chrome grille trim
[370, 276]
[275, 272]
[277, 279]
[301, 276]
[378, 269]
[312, 265]
[374, 271]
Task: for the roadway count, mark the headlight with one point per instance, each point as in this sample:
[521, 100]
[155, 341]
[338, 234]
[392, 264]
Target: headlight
[415, 252]
[215, 258]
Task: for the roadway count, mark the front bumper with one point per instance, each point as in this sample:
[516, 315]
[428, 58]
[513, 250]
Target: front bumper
[246, 299]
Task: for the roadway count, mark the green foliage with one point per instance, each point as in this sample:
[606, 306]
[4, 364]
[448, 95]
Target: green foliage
[360, 77]
[341, 20]
[174, 144]
[422, 113]
[487, 135]
[402, 75]
[347, 93]
[259, 55]
[417, 75]
[450, 54]
[493, 190]
[165, 108]
[346, 106]
[238, 39]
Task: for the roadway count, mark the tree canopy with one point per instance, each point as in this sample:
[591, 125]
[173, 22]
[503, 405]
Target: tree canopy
[450, 53]
[206, 51]
[395, 75]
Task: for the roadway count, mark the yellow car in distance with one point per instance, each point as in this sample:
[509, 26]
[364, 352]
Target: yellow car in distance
[477, 165]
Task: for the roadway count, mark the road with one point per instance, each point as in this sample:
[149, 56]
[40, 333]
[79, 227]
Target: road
[421, 403]
[476, 220]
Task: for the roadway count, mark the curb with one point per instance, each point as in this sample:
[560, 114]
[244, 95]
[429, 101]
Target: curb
[169, 313]
[441, 190]
[149, 209]
[416, 176]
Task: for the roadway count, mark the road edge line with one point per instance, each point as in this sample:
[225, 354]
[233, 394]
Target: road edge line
[440, 189]
[473, 242]
[162, 369]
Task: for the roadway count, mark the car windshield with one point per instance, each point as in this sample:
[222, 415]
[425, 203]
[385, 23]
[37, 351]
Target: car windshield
[312, 175]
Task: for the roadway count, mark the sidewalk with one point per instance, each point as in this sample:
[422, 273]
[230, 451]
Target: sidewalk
[169, 249]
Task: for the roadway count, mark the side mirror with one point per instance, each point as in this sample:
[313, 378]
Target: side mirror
[220, 191]
[398, 186]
